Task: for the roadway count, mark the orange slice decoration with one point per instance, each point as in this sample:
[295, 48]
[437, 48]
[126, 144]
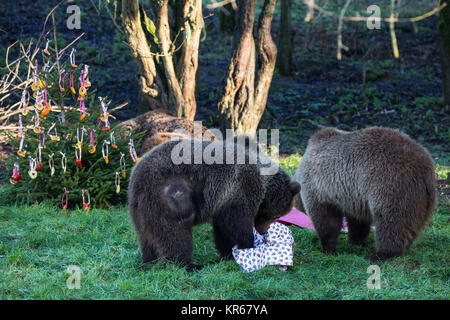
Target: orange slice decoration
[45, 111]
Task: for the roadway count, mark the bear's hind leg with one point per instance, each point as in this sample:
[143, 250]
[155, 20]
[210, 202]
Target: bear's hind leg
[232, 227]
[391, 236]
[358, 231]
[327, 221]
[175, 243]
[148, 252]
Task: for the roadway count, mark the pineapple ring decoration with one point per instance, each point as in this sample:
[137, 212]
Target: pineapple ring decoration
[36, 128]
[92, 147]
[33, 168]
[54, 137]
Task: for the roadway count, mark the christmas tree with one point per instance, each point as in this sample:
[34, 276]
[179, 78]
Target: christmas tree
[68, 151]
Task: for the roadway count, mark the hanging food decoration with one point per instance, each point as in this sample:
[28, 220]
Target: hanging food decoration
[24, 103]
[123, 166]
[105, 154]
[82, 108]
[71, 85]
[80, 139]
[78, 155]
[87, 83]
[133, 152]
[63, 161]
[72, 58]
[21, 152]
[88, 202]
[51, 164]
[113, 140]
[46, 48]
[32, 172]
[53, 137]
[104, 114]
[40, 166]
[46, 109]
[35, 84]
[16, 176]
[36, 128]
[62, 76]
[92, 147]
[65, 199]
[117, 182]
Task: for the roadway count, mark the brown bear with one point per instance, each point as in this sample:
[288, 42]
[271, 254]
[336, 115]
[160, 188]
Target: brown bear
[375, 175]
[160, 126]
[168, 196]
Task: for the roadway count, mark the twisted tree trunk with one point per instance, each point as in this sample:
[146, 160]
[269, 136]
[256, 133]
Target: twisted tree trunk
[167, 59]
[244, 96]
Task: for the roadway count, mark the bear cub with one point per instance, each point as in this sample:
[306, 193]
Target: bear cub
[167, 197]
[375, 175]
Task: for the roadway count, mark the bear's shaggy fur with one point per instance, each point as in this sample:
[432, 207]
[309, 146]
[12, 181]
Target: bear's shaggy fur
[160, 126]
[376, 175]
[167, 199]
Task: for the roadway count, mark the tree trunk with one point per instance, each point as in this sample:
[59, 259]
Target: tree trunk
[444, 41]
[151, 96]
[284, 62]
[167, 59]
[244, 96]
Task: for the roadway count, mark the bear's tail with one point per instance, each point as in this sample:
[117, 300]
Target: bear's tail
[177, 195]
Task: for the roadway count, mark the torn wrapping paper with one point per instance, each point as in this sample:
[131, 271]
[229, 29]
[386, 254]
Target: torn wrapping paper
[300, 219]
[276, 247]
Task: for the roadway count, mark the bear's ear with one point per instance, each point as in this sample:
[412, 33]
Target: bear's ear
[294, 187]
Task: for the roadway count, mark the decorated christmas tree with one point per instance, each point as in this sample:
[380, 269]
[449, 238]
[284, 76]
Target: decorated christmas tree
[68, 150]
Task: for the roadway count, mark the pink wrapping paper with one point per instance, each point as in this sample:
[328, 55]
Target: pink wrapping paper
[300, 219]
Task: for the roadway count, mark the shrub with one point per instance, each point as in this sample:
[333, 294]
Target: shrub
[65, 141]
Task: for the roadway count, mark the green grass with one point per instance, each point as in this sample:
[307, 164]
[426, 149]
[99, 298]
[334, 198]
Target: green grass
[38, 243]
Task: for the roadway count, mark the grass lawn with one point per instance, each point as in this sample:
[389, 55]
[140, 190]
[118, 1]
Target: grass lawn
[38, 243]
